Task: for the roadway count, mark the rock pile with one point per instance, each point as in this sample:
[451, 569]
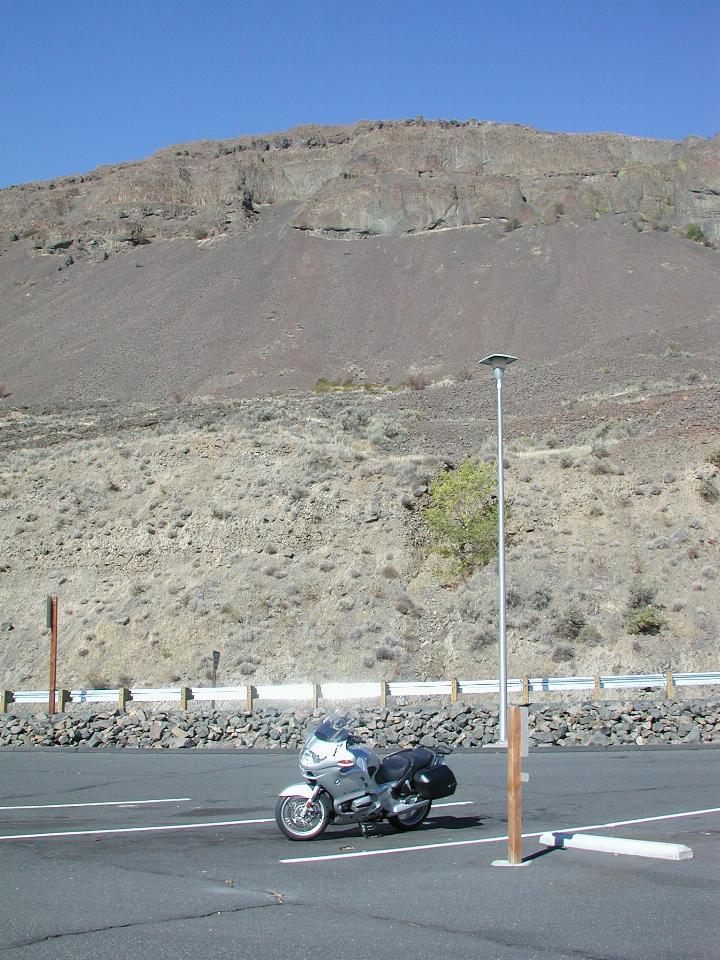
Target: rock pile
[454, 725]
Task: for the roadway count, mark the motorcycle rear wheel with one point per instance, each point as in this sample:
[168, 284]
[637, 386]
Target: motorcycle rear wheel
[298, 821]
[412, 819]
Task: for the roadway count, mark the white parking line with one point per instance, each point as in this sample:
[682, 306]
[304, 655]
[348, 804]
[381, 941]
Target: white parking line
[95, 803]
[468, 843]
[174, 826]
[167, 827]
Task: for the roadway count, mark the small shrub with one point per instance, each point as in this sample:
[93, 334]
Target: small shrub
[590, 636]
[221, 513]
[125, 680]
[200, 233]
[695, 232]
[562, 654]
[419, 381]
[569, 623]
[4, 391]
[246, 668]
[641, 594]
[540, 598]
[96, 681]
[713, 457]
[512, 224]
[708, 491]
[384, 653]
[645, 620]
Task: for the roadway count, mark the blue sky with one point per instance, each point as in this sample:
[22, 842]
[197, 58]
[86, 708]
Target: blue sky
[90, 81]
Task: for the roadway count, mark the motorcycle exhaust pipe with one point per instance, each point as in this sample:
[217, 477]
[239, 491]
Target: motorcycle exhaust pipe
[405, 807]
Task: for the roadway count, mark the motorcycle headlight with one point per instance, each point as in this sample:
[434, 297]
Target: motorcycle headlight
[308, 758]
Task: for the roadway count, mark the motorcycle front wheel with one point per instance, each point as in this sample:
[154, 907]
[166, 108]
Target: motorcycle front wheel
[299, 820]
[411, 819]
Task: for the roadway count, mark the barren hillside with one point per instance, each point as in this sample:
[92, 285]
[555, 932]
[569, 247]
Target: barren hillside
[170, 469]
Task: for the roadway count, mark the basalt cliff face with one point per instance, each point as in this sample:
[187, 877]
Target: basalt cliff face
[214, 269]
[377, 178]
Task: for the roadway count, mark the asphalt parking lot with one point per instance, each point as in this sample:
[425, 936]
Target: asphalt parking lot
[92, 866]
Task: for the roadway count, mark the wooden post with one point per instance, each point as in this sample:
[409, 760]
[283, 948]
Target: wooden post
[64, 699]
[124, 696]
[315, 695]
[526, 690]
[6, 698]
[249, 697]
[598, 687]
[52, 622]
[454, 688]
[384, 693]
[514, 786]
[185, 697]
[669, 685]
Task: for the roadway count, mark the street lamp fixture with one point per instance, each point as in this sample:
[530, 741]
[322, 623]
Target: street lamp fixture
[498, 362]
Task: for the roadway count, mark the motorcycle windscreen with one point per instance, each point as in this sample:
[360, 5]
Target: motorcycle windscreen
[435, 782]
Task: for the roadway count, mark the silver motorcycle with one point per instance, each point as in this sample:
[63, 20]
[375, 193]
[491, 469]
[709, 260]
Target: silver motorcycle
[347, 783]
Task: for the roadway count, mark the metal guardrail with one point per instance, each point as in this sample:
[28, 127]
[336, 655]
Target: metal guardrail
[313, 692]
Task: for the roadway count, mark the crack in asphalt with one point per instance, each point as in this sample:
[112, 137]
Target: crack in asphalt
[277, 900]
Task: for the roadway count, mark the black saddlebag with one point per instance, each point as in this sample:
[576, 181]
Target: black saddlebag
[435, 782]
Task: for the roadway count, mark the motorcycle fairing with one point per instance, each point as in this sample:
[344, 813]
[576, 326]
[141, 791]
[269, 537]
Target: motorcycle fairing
[297, 790]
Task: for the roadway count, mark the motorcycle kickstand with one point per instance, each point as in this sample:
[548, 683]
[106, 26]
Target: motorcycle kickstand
[365, 829]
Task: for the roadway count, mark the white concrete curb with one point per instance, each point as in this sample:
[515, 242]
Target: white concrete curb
[633, 848]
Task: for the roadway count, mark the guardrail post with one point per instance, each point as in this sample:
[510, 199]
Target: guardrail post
[186, 695]
[454, 688]
[6, 698]
[526, 690]
[315, 695]
[384, 693]
[669, 685]
[598, 687]
[64, 700]
[249, 697]
[124, 697]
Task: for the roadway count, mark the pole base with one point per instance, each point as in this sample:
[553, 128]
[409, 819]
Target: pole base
[506, 863]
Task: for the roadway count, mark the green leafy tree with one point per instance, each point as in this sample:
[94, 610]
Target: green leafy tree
[463, 517]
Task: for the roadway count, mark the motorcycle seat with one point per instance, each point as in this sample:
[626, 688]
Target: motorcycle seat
[399, 764]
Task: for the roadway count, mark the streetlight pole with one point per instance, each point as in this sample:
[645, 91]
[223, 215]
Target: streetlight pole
[498, 362]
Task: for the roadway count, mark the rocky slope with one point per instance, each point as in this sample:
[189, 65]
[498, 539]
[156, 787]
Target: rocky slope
[168, 472]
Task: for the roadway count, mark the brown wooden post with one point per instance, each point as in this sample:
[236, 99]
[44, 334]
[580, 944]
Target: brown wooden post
[52, 622]
[315, 695]
[384, 693]
[514, 786]
[124, 697]
[6, 698]
[249, 697]
[64, 699]
[669, 685]
[526, 690]
[454, 689]
[598, 687]
[185, 697]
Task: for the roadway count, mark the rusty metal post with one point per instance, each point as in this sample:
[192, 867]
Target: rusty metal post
[52, 623]
[669, 685]
[454, 690]
[64, 698]
[315, 695]
[249, 697]
[124, 697]
[598, 687]
[185, 697]
[6, 698]
[384, 691]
